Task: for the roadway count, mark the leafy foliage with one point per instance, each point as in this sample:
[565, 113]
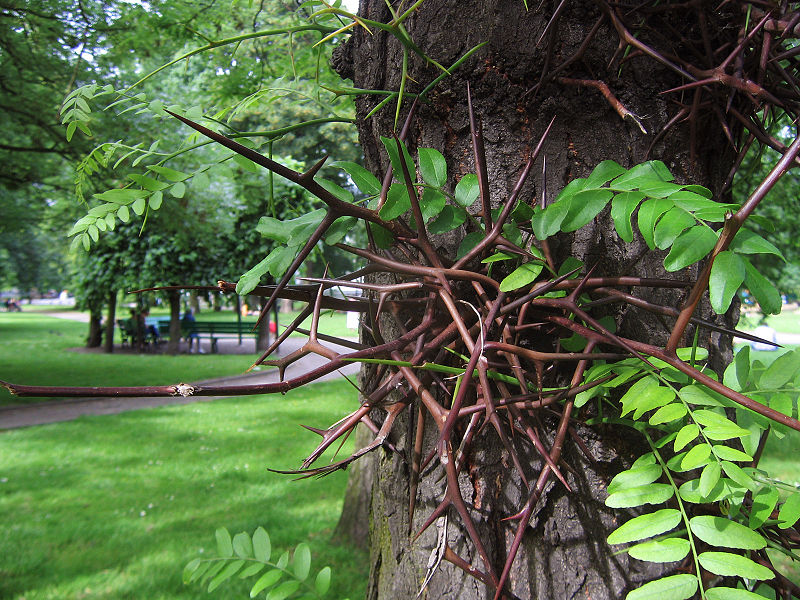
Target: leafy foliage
[245, 556]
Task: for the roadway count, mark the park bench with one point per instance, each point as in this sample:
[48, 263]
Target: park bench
[129, 334]
[213, 330]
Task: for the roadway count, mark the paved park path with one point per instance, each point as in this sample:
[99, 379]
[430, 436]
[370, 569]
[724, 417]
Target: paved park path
[41, 413]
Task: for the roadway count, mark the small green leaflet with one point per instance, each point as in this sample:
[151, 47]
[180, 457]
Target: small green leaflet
[644, 395]
[521, 276]
[302, 561]
[224, 544]
[655, 493]
[674, 587]
[637, 475]
[748, 242]
[583, 207]
[622, 207]
[670, 226]
[645, 526]
[727, 275]
[781, 371]
[727, 593]
[364, 180]
[394, 157]
[790, 511]
[432, 167]
[262, 548]
[668, 550]
[689, 247]
[323, 581]
[169, 174]
[733, 565]
[764, 501]
[765, 293]
[467, 190]
[397, 202]
[719, 531]
[449, 218]
[649, 213]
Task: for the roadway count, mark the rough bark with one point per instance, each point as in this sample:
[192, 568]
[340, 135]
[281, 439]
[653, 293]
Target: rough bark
[564, 554]
[95, 337]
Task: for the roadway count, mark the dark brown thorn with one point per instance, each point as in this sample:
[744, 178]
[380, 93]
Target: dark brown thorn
[282, 337]
[479, 154]
[310, 173]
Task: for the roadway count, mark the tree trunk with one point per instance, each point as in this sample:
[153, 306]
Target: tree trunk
[95, 337]
[564, 553]
[173, 345]
[111, 321]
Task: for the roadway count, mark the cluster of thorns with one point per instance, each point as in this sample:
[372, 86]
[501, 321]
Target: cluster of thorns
[447, 343]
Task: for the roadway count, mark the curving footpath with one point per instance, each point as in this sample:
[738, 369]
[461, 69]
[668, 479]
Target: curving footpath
[27, 415]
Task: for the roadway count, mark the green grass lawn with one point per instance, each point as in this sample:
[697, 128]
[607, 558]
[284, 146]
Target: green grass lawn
[113, 507]
[34, 350]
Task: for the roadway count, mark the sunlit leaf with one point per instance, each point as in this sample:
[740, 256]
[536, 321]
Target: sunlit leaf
[733, 565]
[661, 551]
[719, 531]
[674, 587]
[432, 166]
[645, 526]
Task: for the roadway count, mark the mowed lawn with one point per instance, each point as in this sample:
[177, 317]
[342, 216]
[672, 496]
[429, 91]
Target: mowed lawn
[39, 349]
[113, 507]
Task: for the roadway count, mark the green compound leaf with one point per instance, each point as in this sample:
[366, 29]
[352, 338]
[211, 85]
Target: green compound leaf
[733, 565]
[661, 551]
[224, 544]
[622, 207]
[727, 593]
[654, 493]
[727, 275]
[637, 475]
[719, 531]
[689, 247]
[675, 587]
[432, 166]
[645, 526]
[467, 190]
[521, 276]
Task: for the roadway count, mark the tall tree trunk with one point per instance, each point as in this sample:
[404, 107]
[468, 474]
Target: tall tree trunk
[95, 337]
[173, 345]
[111, 321]
[564, 553]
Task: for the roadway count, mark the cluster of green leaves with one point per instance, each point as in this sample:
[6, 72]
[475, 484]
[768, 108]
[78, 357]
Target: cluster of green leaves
[699, 463]
[248, 556]
[681, 219]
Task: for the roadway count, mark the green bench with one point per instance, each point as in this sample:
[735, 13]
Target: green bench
[213, 330]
